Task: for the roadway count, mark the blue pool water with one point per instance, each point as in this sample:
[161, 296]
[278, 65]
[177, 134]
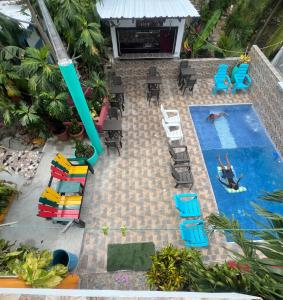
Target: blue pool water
[251, 152]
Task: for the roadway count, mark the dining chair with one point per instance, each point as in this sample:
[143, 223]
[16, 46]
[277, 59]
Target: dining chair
[153, 93]
[179, 154]
[113, 113]
[182, 175]
[113, 142]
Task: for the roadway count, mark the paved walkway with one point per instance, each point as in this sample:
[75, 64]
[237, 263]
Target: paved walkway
[136, 189]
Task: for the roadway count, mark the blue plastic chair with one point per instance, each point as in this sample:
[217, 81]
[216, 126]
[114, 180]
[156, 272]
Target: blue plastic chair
[188, 205]
[221, 83]
[193, 233]
[242, 82]
[222, 69]
[241, 69]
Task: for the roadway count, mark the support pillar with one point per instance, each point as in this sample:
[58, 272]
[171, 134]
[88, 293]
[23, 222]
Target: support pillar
[70, 76]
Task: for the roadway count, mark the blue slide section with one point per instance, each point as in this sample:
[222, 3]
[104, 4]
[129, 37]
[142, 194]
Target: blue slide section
[223, 131]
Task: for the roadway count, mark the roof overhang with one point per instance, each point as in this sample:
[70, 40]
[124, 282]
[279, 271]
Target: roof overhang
[140, 9]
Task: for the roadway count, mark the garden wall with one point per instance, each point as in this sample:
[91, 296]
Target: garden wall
[168, 68]
[266, 95]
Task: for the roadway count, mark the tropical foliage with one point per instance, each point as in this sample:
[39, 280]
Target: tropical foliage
[243, 22]
[32, 92]
[257, 269]
[31, 265]
[202, 37]
[11, 32]
[79, 27]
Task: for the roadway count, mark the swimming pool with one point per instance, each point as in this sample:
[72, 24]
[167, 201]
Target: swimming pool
[251, 152]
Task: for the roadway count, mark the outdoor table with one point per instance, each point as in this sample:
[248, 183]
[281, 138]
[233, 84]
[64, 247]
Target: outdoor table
[184, 73]
[187, 71]
[113, 127]
[154, 80]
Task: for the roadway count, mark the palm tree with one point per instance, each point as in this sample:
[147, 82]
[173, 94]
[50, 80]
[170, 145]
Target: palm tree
[42, 75]
[271, 246]
[11, 33]
[90, 38]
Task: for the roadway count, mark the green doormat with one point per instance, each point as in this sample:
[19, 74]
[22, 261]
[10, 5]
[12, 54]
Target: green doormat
[135, 256]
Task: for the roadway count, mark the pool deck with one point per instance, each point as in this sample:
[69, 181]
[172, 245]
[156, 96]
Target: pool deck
[136, 189]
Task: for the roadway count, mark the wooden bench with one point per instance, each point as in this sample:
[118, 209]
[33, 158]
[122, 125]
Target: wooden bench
[58, 205]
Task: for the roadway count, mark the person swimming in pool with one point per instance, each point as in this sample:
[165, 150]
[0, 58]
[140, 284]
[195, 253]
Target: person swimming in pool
[212, 117]
[228, 174]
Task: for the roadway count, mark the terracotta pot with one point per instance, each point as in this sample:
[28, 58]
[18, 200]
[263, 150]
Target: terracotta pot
[5, 210]
[62, 136]
[71, 281]
[78, 136]
[70, 101]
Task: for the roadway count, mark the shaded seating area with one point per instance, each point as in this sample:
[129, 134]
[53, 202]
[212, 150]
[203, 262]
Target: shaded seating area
[188, 205]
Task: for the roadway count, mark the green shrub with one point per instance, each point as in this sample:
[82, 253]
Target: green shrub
[168, 271]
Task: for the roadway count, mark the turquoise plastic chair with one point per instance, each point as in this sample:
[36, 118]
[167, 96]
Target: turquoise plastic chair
[193, 233]
[222, 69]
[241, 69]
[188, 205]
[242, 82]
[221, 83]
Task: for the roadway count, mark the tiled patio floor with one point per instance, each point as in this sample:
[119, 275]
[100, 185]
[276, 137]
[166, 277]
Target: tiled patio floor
[136, 189]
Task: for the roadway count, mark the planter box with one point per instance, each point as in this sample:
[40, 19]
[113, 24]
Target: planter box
[102, 116]
[98, 122]
[87, 92]
[69, 282]
[5, 211]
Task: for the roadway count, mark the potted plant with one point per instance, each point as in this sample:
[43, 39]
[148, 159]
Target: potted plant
[25, 267]
[76, 130]
[7, 192]
[86, 151]
[60, 131]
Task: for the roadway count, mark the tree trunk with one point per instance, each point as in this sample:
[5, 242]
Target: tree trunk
[41, 31]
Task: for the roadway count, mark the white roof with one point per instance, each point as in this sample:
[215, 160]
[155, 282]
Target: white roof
[13, 10]
[138, 9]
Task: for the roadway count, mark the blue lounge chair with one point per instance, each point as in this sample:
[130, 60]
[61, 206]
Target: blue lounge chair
[187, 204]
[222, 82]
[242, 82]
[193, 233]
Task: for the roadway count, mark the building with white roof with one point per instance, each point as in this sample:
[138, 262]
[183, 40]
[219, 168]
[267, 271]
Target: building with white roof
[146, 28]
